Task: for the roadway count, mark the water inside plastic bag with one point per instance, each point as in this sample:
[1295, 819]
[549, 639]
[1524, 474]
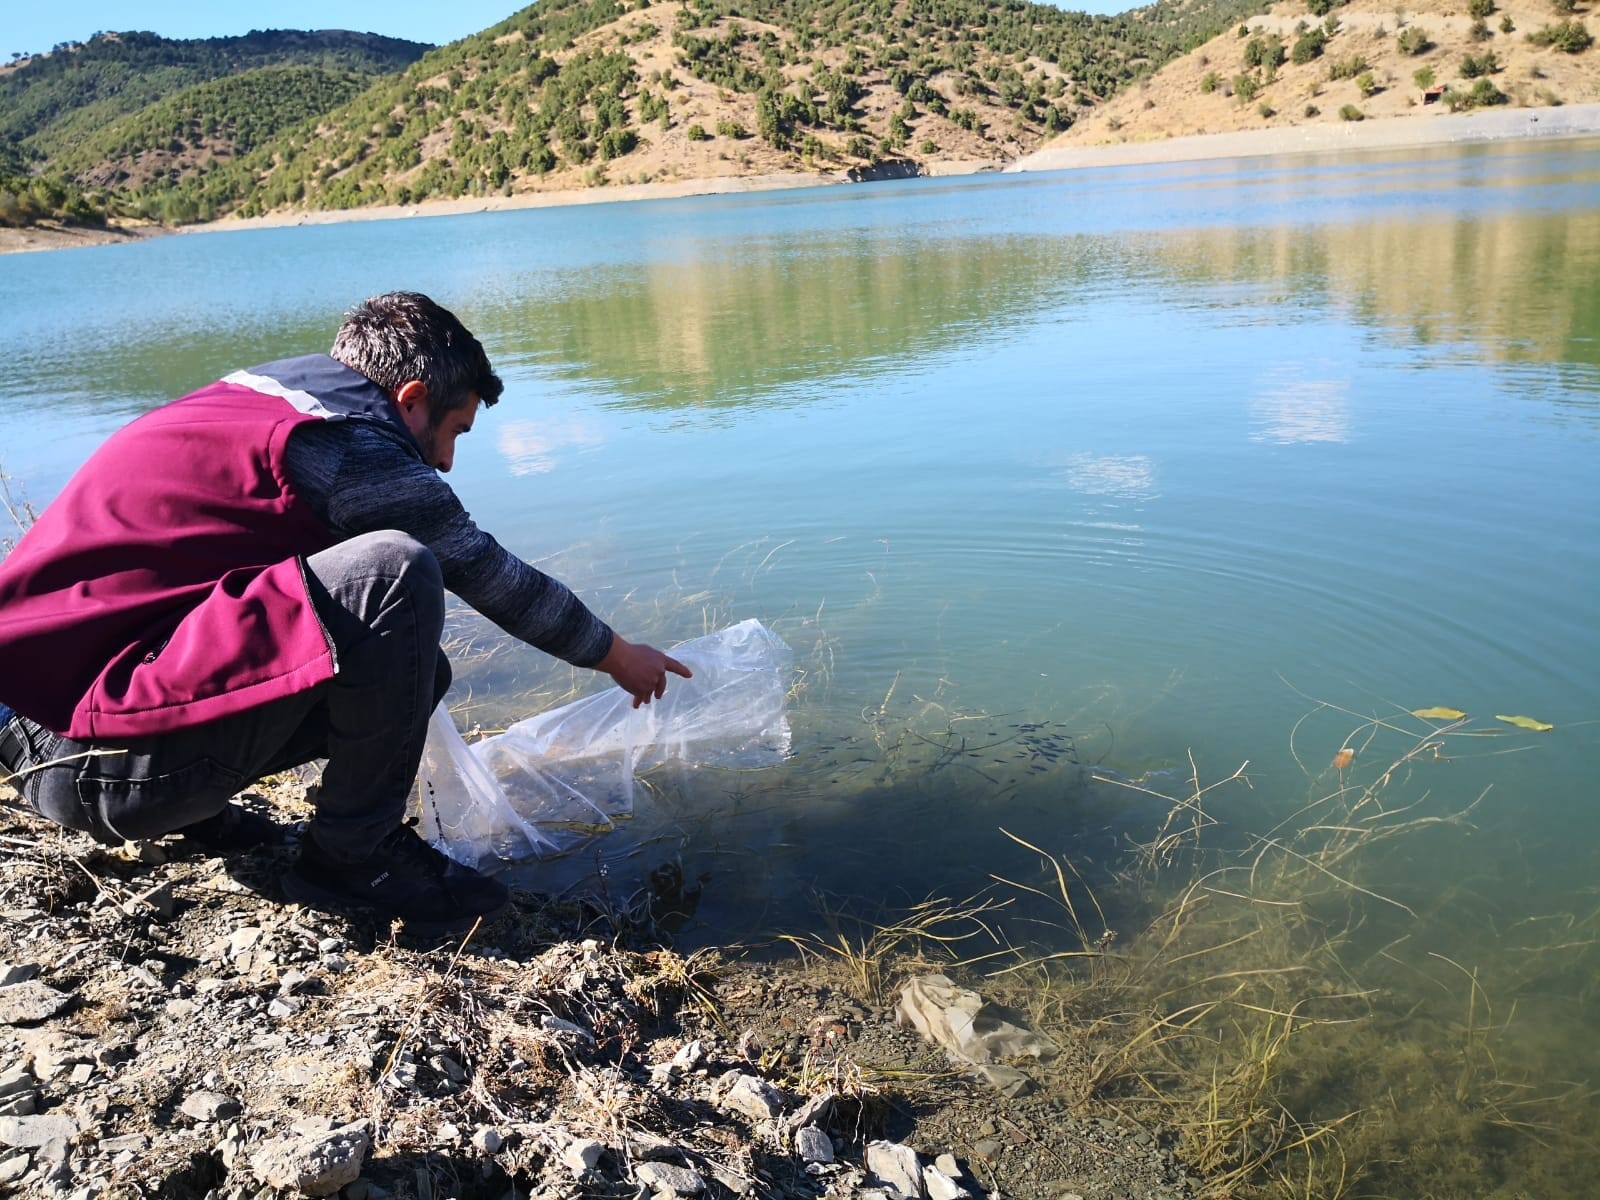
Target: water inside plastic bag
[552, 781]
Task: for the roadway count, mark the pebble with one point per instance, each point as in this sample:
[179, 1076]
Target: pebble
[988, 1149]
[941, 1186]
[37, 1132]
[29, 1001]
[897, 1167]
[582, 1155]
[666, 1178]
[318, 1165]
[488, 1140]
[209, 1106]
[14, 1168]
[126, 1141]
[753, 1097]
[813, 1145]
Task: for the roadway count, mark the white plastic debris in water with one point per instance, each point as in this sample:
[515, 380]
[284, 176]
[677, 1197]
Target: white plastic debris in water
[973, 1032]
[557, 778]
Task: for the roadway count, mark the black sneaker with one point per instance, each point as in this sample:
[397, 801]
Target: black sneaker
[403, 877]
[234, 828]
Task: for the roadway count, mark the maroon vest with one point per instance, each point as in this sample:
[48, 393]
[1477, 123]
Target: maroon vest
[165, 587]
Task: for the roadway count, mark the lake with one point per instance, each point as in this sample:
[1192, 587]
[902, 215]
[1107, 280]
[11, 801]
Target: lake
[1042, 477]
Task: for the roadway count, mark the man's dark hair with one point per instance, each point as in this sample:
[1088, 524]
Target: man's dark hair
[401, 336]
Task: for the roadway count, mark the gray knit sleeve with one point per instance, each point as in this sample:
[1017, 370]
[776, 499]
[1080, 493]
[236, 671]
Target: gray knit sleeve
[358, 479]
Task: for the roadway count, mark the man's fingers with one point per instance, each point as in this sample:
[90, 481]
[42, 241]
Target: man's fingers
[677, 668]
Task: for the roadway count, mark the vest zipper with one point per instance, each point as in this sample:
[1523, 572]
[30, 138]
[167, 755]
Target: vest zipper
[305, 581]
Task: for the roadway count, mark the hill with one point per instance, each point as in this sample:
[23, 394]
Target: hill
[573, 93]
[1298, 65]
[51, 102]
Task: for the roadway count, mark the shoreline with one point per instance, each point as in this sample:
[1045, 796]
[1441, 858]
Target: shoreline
[1375, 133]
[1379, 133]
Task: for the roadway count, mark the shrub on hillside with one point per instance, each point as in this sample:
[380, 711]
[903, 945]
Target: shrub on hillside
[1308, 46]
[1246, 87]
[1413, 40]
[1351, 113]
[1348, 68]
[1475, 66]
[1570, 36]
[1480, 10]
[697, 133]
[1209, 82]
[1423, 77]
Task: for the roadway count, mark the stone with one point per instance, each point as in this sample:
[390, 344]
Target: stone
[209, 1106]
[814, 1146]
[816, 1111]
[940, 1186]
[14, 1081]
[556, 1025]
[896, 1166]
[488, 1140]
[947, 1164]
[37, 1132]
[279, 1008]
[691, 1057]
[81, 1074]
[127, 1141]
[243, 940]
[318, 1165]
[22, 1104]
[988, 1149]
[674, 1181]
[17, 973]
[753, 1097]
[14, 1168]
[24, 1003]
[582, 1155]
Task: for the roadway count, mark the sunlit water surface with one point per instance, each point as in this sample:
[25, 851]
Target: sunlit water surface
[1100, 469]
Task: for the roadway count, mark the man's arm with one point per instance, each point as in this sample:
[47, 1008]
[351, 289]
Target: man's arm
[358, 480]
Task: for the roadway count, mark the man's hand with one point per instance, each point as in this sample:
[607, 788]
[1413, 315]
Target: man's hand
[640, 670]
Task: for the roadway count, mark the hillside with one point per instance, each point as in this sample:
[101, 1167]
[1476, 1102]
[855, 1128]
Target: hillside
[52, 102]
[1369, 58]
[574, 93]
[215, 120]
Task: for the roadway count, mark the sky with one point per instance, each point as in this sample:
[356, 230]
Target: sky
[30, 27]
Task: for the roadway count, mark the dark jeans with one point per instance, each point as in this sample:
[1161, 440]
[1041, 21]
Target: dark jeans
[381, 598]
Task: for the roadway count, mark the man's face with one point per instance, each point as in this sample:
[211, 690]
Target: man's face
[438, 441]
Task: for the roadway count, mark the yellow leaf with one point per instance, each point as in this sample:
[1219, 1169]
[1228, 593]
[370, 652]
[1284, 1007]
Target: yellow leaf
[1438, 714]
[1526, 723]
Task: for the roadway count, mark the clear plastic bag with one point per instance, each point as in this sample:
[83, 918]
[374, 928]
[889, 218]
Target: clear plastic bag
[554, 780]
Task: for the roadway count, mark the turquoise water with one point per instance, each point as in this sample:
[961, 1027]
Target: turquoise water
[1104, 467]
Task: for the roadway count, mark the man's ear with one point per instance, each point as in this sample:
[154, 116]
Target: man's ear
[412, 395]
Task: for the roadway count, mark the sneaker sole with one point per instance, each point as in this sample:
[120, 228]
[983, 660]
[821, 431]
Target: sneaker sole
[304, 892]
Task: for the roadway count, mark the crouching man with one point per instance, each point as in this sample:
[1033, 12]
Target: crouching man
[253, 577]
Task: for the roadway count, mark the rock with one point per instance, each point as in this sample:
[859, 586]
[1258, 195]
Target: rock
[556, 1025]
[14, 1168]
[81, 1074]
[947, 1164]
[209, 1106]
[691, 1057]
[316, 1164]
[988, 1149]
[37, 1132]
[753, 1097]
[941, 1186]
[896, 1166]
[279, 1008]
[488, 1140]
[816, 1111]
[21, 1104]
[291, 982]
[24, 1003]
[814, 1146]
[666, 1178]
[582, 1155]
[11, 973]
[14, 1081]
[243, 940]
[128, 1141]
